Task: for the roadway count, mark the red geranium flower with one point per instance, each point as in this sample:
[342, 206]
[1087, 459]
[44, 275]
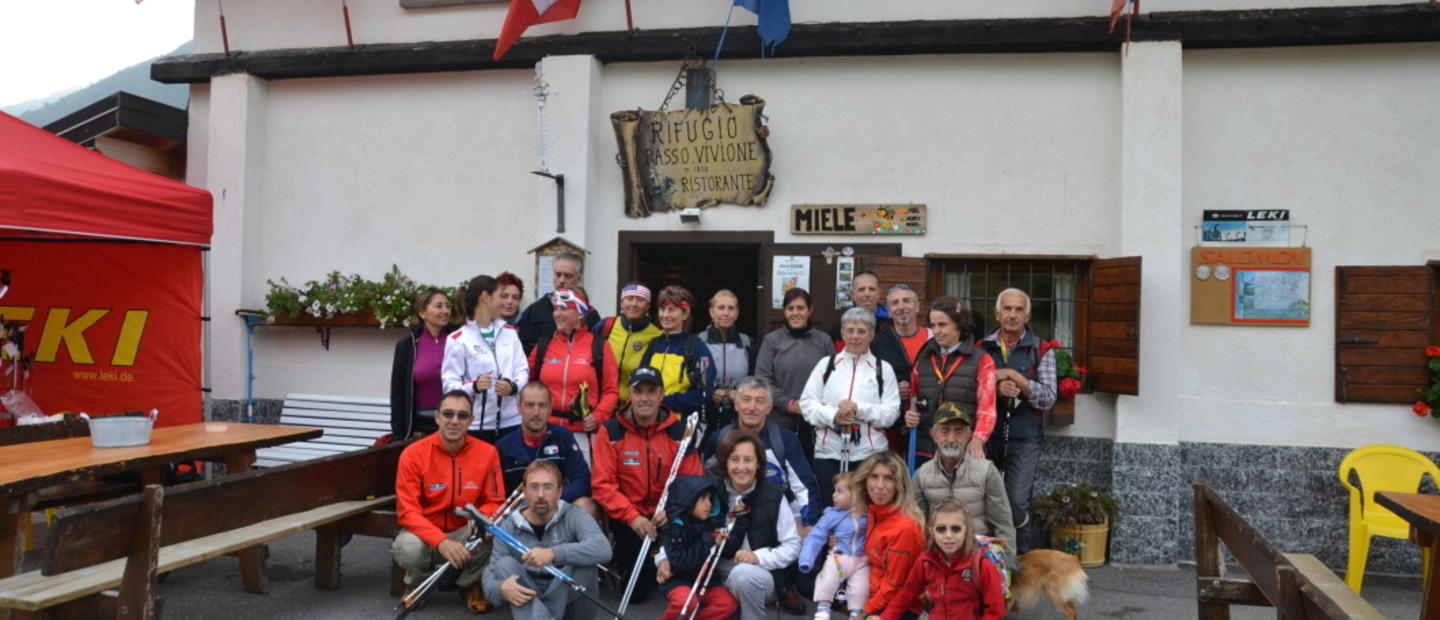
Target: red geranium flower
[1420, 409]
[1432, 351]
[1055, 344]
[1082, 370]
[1069, 388]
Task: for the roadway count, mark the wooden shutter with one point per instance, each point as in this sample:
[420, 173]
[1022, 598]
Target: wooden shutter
[901, 269]
[1114, 325]
[1382, 326]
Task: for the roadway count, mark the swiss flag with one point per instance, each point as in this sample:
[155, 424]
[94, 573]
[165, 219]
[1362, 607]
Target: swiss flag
[526, 13]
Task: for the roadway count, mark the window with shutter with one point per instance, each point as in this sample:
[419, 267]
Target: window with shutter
[1384, 319]
[1115, 325]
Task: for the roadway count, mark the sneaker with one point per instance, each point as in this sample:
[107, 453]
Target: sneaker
[475, 602]
[791, 603]
[417, 606]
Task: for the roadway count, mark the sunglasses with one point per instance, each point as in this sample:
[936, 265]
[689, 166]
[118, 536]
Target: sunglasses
[954, 529]
[450, 415]
[561, 297]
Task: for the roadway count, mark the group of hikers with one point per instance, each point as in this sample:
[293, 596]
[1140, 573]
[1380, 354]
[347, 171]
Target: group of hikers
[859, 468]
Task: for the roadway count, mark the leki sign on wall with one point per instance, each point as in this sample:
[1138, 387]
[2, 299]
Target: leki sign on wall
[694, 158]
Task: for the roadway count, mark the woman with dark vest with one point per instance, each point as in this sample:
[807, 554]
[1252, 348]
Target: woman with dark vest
[415, 386]
[763, 541]
[952, 368]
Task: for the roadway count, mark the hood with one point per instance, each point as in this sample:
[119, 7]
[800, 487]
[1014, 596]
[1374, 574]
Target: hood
[685, 491]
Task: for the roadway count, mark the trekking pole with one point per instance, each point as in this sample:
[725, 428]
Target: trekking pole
[690, 433]
[707, 570]
[410, 601]
[919, 402]
[510, 541]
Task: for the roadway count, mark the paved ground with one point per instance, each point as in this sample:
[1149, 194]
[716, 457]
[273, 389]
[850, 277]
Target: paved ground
[211, 591]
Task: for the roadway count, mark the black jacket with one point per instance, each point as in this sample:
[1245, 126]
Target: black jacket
[402, 383]
[688, 541]
[758, 521]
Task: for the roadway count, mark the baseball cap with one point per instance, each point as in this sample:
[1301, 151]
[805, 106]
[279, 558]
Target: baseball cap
[646, 374]
[950, 412]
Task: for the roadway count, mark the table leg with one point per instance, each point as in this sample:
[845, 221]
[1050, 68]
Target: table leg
[13, 524]
[1430, 604]
[252, 559]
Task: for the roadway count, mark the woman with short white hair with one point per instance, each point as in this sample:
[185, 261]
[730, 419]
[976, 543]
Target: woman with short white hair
[850, 399]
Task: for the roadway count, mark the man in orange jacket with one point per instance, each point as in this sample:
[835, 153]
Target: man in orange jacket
[438, 474]
[633, 454]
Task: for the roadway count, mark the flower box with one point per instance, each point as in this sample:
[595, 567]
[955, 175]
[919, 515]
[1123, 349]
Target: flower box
[364, 318]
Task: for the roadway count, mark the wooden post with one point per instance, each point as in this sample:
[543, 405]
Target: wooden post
[137, 587]
[327, 557]
[14, 520]
[252, 559]
[1290, 606]
[1207, 554]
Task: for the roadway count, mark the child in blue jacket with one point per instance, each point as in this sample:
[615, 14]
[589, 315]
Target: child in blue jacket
[688, 538]
[846, 563]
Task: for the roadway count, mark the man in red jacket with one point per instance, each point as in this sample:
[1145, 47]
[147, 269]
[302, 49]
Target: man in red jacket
[633, 454]
[438, 474]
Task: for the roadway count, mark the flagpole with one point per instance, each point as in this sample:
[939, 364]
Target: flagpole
[345, 8]
[224, 35]
[630, 16]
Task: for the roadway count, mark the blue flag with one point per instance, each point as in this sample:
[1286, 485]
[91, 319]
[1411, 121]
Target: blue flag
[774, 19]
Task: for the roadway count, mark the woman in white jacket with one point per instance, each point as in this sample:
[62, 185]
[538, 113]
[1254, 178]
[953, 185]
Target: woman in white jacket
[851, 399]
[485, 357]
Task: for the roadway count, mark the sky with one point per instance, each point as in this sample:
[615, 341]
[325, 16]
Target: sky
[52, 45]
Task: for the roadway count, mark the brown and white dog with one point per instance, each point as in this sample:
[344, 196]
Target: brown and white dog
[1057, 574]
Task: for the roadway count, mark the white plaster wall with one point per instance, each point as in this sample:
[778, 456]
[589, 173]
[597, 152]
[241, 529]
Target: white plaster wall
[987, 142]
[430, 172]
[1348, 139]
[272, 24]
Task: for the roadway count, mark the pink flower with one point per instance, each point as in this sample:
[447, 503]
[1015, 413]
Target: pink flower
[1069, 388]
[1421, 409]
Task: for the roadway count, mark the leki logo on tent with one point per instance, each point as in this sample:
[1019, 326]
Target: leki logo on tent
[59, 328]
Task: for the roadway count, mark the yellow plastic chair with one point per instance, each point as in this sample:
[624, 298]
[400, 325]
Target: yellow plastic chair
[1380, 468]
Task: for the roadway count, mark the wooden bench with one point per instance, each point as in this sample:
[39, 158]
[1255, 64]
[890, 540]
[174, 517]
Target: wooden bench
[350, 424]
[1298, 586]
[125, 543]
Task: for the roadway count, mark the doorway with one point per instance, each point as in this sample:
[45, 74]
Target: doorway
[705, 262]
[702, 263]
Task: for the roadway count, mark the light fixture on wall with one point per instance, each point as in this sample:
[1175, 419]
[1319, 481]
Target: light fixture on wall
[690, 216]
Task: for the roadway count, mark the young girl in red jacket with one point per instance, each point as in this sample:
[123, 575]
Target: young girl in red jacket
[961, 582]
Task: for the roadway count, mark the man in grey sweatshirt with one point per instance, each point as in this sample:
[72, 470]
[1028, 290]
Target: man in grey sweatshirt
[557, 533]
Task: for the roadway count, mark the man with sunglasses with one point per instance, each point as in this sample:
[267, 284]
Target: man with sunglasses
[436, 475]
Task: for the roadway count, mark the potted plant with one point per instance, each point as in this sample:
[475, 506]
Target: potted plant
[1079, 517]
[345, 300]
[1429, 401]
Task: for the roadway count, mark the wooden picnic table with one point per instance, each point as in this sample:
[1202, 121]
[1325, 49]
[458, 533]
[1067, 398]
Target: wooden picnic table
[1422, 512]
[27, 468]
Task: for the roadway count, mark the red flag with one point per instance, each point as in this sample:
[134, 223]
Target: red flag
[526, 13]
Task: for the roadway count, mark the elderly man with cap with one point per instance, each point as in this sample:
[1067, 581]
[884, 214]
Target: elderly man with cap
[632, 456]
[630, 333]
[954, 474]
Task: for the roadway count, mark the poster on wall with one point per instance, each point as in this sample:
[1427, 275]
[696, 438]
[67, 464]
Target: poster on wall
[1239, 226]
[1270, 295]
[790, 272]
[694, 158]
[844, 275]
[1250, 286]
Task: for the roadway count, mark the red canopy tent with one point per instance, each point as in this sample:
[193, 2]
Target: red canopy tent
[106, 269]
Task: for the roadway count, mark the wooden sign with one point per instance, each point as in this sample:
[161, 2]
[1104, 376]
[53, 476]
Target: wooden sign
[1251, 286]
[857, 219]
[694, 158]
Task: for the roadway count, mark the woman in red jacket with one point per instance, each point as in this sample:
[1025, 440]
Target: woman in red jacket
[963, 584]
[566, 362]
[893, 540]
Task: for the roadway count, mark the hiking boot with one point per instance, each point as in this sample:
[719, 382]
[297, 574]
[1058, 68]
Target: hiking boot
[475, 602]
[418, 605]
[791, 603]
